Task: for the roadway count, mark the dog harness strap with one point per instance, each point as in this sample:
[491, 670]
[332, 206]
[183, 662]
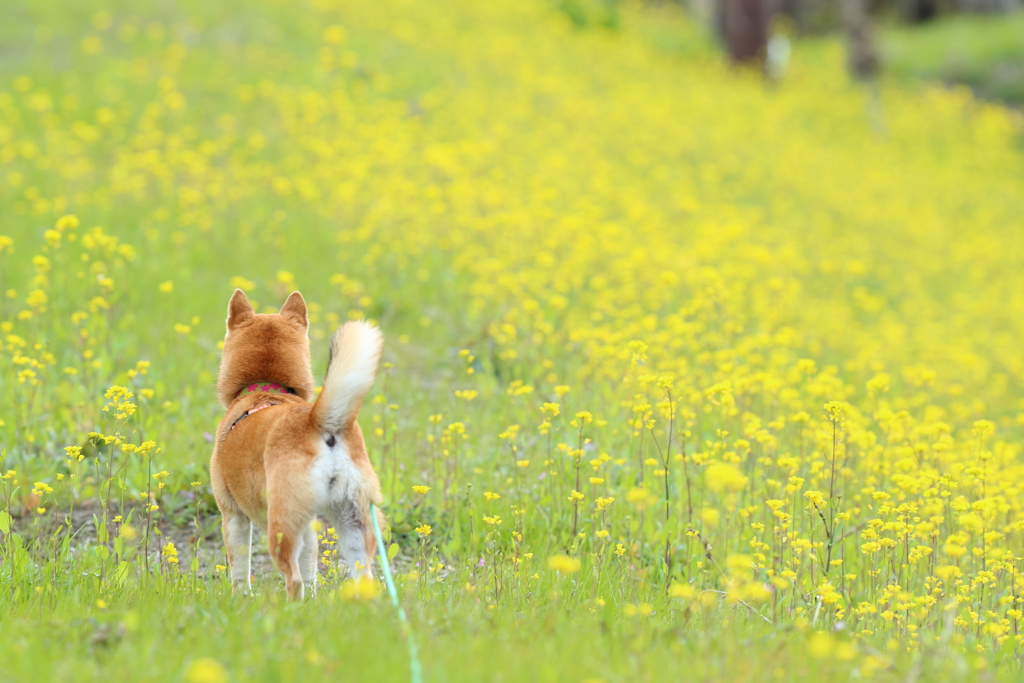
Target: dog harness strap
[250, 412]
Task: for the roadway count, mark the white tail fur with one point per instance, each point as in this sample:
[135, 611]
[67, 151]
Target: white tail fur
[355, 354]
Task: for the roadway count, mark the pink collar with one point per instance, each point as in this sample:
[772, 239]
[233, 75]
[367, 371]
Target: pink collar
[265, 388]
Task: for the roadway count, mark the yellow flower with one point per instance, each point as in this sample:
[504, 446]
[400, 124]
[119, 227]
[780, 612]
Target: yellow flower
[92, 45]
[170, 553]
[835, 411]
[510, 433]
[954, 547]
[552, 409]
[641, 498]
[419, 488]
[37, 299]
[167, 287]
[984, 428]
[564, 564]
[682, 590]
[820, 645]
[424, 530]
[335, 34]
[206, 670]
[879, 384]
[724, 478]
[68, 222]
[710, 517]
[361, 589]
[242, 283]
[814, 498]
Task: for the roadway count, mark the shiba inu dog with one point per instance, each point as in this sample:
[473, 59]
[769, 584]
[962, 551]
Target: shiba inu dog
[282, 458]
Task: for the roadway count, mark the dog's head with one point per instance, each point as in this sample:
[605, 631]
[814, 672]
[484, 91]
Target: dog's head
[265, 348]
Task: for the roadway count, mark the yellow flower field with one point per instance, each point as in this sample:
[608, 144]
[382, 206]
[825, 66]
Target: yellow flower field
[686, 373]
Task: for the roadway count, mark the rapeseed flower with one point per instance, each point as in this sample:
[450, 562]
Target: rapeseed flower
[564, 564]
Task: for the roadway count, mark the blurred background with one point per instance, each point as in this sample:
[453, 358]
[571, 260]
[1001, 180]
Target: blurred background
[979, 43]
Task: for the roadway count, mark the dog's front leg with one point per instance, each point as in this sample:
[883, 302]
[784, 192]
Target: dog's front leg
[238, 542]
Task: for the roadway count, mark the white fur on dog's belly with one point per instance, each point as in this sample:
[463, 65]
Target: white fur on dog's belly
[348, 480]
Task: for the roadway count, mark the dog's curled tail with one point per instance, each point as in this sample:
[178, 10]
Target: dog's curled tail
[355, 354]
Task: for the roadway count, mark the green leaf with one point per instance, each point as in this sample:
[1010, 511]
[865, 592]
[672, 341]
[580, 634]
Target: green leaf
[122, 573]
[392, 551]
[5, 522]
[101, 529]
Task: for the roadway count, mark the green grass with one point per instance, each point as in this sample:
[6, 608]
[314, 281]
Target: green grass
[983, 52]
[76, 629]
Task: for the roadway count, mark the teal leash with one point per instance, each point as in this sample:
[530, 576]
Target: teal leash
[414, 661]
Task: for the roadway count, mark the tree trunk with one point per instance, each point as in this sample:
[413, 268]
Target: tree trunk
[917, 11]
[862, 54]
[744, 27]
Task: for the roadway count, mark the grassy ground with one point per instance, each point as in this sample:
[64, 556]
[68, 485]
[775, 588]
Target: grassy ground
[693, 376]
[985, 52]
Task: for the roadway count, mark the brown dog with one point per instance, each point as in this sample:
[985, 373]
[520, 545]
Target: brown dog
[279, 460]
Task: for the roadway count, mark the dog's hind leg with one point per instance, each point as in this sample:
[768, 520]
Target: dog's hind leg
[238, 542]
[307, 559]
[355, 540]
[286, 541]
[291, 507]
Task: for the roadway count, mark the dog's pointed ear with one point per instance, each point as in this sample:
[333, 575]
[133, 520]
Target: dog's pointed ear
[295, 309]
[239, 310]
